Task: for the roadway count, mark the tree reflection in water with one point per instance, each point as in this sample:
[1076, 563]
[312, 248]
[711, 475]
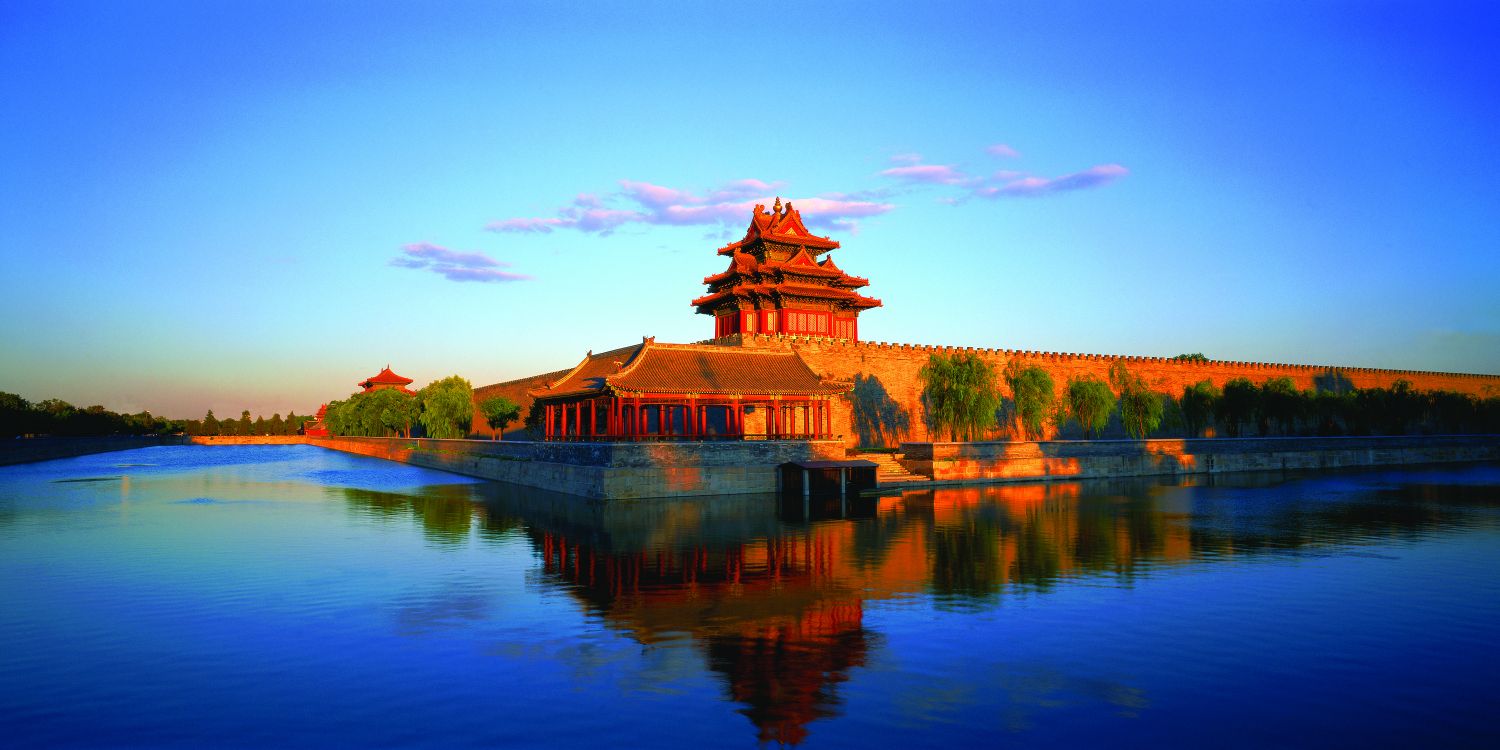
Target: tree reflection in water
[773, 594]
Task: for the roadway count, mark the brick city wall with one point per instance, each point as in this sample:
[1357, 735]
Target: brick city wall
[515, 390]
[891, 369]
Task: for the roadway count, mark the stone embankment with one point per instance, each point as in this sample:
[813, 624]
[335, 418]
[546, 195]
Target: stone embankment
[966, 463]
[603, 470]
[27, 450]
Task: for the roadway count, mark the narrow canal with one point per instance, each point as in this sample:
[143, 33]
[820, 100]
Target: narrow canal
[276, 596]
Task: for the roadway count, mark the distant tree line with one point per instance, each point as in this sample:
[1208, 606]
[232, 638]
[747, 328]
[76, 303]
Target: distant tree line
[276, 425]
[53, 416]
[19, 417]
[963, 400]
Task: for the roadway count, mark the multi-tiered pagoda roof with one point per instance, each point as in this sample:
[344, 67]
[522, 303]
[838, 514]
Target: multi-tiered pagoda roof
[775, 282]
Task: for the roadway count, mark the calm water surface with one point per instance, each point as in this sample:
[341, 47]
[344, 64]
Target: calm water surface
[290, 596]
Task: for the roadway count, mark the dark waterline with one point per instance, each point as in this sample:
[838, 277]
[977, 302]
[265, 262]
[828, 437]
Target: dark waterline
[280, 596]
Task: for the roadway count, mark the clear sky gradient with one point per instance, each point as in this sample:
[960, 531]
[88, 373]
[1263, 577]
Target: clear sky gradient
[255, 205]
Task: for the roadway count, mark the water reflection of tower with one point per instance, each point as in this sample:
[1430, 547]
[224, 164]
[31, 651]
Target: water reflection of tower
[768, 612]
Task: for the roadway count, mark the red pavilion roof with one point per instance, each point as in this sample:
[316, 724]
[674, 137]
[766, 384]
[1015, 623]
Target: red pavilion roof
[779, 225]
[386, 377]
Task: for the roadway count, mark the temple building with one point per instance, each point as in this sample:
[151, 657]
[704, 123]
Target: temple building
[776, 284]
[387, 379]
[651, 391]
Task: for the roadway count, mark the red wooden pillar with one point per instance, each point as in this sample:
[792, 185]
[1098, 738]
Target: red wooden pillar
[547, 422]
[593, 417]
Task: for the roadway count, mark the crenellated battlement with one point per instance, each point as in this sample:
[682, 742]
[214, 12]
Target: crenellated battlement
[824, 342]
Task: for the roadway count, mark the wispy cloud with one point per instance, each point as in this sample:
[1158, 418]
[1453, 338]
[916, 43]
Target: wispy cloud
[725, 208]
[454, 265]
[1031, 186]
[930, 174]
[646, 203]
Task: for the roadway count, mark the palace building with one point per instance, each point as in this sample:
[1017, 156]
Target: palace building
[652, 391]
[786, 361]
[776, 284]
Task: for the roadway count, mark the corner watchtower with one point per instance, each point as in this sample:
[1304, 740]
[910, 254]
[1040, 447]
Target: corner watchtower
[776, 284]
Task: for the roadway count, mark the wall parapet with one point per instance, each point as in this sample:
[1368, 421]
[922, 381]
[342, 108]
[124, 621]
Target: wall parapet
[774, 339]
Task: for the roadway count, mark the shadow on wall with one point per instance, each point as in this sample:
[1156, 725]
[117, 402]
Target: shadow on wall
[879, 421]
[1333, 381]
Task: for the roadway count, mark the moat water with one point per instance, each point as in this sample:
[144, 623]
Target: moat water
[288, 596]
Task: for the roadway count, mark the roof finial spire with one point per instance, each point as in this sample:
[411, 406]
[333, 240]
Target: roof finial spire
[776, 209]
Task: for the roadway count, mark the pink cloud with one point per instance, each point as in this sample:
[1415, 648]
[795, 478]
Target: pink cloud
[908, 158]
[541, 225]
[486, 275]
[728, 205]
[1032, 186]
[1002, 150]
[453, 265]
[430, 253]
[931, 174]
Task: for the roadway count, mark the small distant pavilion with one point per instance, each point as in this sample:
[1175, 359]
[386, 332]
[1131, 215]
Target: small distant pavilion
[653, 391]
[387, 379]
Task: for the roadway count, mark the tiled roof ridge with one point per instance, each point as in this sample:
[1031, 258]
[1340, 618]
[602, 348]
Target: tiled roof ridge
[794, 339]
[591, 356]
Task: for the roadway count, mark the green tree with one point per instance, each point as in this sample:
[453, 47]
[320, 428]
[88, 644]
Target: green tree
[498, 412]
[447, 407]
[1198, 402]
[961, 393]
[1034, 393]
[1090, 402]
[395, 410]
[1238, 404]
[210, 423]
[15, 415]
[245, 427]
[1140, 407]
[1194, 357]
[1281, 404]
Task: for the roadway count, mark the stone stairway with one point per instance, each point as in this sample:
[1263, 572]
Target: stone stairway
[890, 471]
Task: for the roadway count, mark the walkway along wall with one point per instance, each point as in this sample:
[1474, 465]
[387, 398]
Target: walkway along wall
[963, 463]
[603, 470]
[887, 386]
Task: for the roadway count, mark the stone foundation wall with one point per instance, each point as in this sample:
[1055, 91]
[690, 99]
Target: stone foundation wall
[602, 470]
[1028, 461]
[891, 370]
[247, 439]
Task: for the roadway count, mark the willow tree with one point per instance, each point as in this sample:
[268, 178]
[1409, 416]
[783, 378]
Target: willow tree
[395, 410]
[962, 394]
[1089, 403]
[447, 407]
[1140, 407]
[1034, 393]
[1238, 404]
[1198, 402]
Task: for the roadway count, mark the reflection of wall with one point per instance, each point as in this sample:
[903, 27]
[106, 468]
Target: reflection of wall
[896, 367]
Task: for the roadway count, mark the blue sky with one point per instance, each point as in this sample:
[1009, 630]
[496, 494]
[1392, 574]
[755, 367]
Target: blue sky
[255, 205]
